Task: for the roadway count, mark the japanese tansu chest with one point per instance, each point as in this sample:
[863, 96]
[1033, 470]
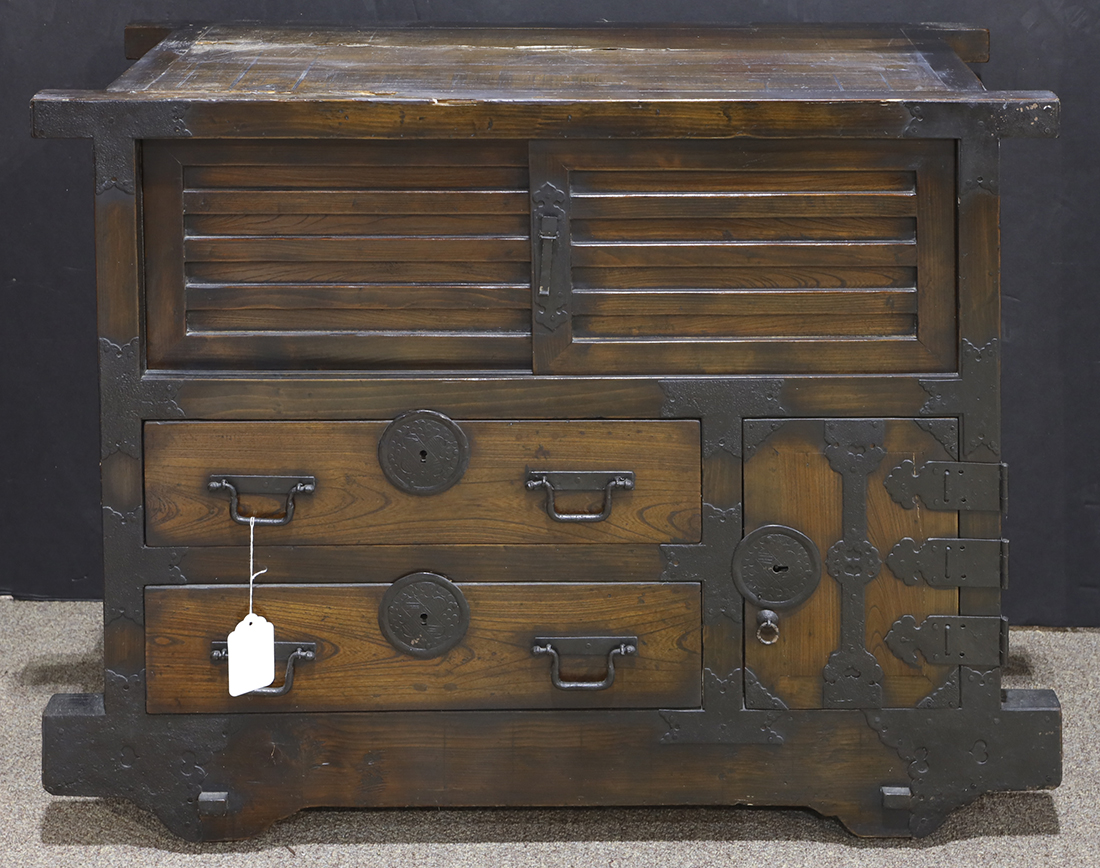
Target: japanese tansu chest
[616, 409]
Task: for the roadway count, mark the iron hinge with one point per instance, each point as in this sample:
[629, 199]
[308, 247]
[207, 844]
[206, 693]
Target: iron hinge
[951, 563]
[970, 640]
[955, 486]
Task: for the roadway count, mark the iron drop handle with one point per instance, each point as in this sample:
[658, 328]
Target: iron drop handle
[588, 646]
[579, 480]
[304, 651]
[266, 485]
[548, 236]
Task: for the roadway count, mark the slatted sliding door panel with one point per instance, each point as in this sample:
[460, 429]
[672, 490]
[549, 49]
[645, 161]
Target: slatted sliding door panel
[701, 257]
[337, 255]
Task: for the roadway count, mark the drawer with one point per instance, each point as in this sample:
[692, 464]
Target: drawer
[355, 502]
[492, 667]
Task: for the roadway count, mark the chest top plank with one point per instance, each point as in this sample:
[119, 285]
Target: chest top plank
[509, 82]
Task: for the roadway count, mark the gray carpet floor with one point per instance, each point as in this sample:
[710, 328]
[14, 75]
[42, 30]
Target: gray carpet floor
[56, 648]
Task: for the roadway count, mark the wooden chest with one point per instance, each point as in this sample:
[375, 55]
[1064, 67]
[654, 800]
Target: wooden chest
[618, 410]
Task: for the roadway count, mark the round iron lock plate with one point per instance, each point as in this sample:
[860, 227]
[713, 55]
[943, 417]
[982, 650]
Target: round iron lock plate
[423, 615]
[776, 567]
[423, 452]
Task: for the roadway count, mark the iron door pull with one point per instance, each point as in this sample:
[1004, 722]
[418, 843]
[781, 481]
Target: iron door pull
[305, 651]
[579, 480]
[584, 646]
[266, 485]
[548, 235]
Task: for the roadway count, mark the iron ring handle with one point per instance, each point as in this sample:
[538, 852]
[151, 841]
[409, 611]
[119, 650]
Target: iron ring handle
[265, 485]
[579, 481]
[767, 633]
[555, 667]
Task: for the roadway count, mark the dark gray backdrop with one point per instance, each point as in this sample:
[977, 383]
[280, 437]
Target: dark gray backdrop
[49, 503]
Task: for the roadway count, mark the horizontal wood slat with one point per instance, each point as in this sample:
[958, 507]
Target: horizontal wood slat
[367, 297]
[775, 326]
[339, 153]
[355, 272]
[725, 355]
[357, 669]
[353, 202]
[487, 322]
[660, 277]
[356, 249]
[374, 225]
[281, 176]
[313, 350]
[587, 182]
[773, 254]
[741, 229]
[658, 206]
[356, 504]
[715, 302]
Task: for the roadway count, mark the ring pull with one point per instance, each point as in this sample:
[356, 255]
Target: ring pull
[289, 486]
[304, 651]
[768, 631]
[579, 480]
[584, 646]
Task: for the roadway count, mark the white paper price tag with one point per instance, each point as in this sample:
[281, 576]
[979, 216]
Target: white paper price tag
[251, 648]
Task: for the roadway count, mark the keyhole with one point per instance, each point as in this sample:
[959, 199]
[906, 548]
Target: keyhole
[780, 568]
[423, 617]
[423, 456]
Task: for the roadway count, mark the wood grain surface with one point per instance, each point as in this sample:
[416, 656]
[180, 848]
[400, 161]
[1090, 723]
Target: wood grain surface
[355, 504]
[837, 258]
[367, 255]
[357, 669]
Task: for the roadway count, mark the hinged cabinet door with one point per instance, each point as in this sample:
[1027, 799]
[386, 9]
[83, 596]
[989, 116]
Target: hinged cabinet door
[851, 563]
[743, 257]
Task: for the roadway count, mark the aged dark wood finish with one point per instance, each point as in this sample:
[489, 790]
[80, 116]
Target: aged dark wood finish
[355, 503]
[358, 670]
[756, 268]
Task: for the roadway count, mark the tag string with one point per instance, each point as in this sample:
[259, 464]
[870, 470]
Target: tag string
[251, 565]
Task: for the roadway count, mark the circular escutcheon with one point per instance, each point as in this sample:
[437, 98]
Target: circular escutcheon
[423, 452]
[776, 567]
[423, 615]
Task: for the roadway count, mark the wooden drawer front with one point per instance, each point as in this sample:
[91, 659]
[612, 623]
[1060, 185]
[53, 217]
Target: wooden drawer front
[357, 669]
[757, 257]
[334, 255]
[354, 503]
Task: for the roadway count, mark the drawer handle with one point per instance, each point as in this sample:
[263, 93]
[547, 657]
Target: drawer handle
[268, 485]
[584, 646]
[579, 480]
[305, 651]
